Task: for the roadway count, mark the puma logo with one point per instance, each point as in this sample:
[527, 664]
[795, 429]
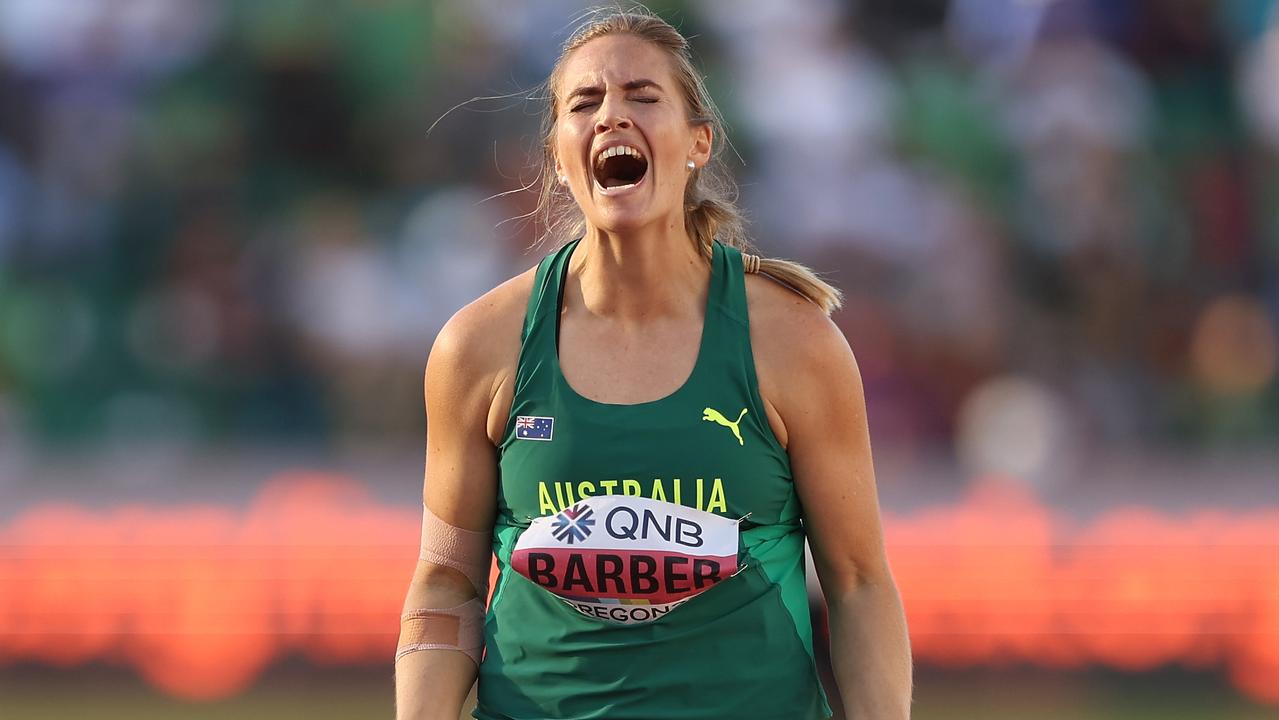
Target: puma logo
[718, 418]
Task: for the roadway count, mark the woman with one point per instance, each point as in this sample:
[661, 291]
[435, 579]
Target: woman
[604, 419]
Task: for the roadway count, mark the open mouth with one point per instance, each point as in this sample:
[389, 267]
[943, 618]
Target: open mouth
[620, 166]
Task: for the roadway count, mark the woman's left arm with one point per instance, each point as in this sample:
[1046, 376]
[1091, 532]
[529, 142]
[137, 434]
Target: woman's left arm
[824, 413]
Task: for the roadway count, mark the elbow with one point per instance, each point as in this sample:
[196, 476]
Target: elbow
[440, 585]
[857, 580]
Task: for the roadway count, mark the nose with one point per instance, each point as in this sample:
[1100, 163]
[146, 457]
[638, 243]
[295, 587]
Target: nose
[611, 116]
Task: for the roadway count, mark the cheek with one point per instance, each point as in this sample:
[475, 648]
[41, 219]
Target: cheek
[672, 144]
[567, 144]
[674, 165]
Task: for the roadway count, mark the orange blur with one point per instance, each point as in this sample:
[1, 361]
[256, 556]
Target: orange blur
[200, 599]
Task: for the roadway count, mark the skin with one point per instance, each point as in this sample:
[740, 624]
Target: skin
[636, 281]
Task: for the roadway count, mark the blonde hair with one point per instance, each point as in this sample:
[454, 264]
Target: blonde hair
[710, 198]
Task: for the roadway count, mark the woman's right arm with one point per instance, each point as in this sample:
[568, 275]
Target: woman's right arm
[460, 489]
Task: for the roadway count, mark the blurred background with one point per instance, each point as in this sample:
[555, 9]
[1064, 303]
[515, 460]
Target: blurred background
[227, 241]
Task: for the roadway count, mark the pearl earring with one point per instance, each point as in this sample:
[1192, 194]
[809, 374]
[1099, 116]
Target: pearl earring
[692, 165]
[564, 180]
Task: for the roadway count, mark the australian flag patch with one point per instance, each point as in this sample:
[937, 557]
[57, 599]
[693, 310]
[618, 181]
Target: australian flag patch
[529, 427]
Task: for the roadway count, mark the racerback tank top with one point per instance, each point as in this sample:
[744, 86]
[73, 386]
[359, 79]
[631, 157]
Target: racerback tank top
[742, 648]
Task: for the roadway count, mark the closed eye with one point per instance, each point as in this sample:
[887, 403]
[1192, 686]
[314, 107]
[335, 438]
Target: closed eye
[592, 103]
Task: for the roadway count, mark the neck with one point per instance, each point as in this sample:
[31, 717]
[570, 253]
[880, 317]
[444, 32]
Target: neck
[637, 277]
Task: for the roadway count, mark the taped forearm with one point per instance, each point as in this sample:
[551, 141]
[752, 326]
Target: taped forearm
[455, 627]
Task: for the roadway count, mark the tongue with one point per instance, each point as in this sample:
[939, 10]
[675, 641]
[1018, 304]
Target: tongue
[619, 171]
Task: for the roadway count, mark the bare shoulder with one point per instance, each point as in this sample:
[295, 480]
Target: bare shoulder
[484, 331]
[797, 347]
[776, 308]
[474, 356]
[788, 329]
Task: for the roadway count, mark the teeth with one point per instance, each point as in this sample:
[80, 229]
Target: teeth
[618, 150]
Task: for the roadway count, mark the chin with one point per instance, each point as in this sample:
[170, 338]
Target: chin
[632, 212]
[623, 220]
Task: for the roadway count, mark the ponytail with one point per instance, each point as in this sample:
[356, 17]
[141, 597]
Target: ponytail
[708, 219]
[804, 281]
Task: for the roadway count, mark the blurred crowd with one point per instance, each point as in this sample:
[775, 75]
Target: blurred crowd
[1056, 222]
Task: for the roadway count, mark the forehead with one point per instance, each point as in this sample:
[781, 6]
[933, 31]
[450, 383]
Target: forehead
[615, 60]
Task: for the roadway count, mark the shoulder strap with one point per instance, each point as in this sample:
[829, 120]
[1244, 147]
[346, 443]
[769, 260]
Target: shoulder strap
[732, 285]
[545, 295]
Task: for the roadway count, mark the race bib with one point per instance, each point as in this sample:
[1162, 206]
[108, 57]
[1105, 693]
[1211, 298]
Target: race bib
[627, 559]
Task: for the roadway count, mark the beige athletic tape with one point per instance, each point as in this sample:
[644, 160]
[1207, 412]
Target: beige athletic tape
[457, 628]
[467, 551]
[430, 626]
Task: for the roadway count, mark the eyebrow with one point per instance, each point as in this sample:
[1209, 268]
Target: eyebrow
[593, 90]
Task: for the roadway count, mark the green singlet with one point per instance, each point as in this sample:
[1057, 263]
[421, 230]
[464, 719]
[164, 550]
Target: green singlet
[741, 649]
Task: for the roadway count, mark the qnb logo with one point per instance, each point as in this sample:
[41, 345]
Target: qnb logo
[573, 524]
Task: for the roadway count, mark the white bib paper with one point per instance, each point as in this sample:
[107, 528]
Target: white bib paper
[627, 559]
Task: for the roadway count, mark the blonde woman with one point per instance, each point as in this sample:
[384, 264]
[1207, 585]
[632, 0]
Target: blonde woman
[644, 429]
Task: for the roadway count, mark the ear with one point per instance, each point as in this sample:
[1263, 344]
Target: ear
[703, 137]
